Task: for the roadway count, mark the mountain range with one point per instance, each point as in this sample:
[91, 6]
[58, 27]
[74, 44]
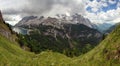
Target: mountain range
[58, 21]
[67, 35]
[63, 19]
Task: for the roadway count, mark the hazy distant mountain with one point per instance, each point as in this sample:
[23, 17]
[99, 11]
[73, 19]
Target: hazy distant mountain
[102, 27]
[111, 28]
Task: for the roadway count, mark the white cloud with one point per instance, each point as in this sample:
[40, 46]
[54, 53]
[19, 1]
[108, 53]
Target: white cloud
[7, 4]
[42, 7]
[112, 1]
[104, 4]
[12, 22]
[95, 9]
[116, 20]
[58, 9]
[118, 5]
[95, 5]
[12, 19]
[53, 7]
[111, 16]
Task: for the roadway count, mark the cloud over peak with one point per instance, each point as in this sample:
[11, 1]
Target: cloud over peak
[95, 10]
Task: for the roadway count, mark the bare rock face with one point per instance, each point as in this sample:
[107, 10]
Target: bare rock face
[4, 29]
[5, 33]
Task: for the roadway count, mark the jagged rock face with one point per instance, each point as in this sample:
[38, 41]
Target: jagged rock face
[26, 20]
[81, 20]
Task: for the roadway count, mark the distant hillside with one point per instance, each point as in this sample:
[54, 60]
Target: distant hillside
[102, 27]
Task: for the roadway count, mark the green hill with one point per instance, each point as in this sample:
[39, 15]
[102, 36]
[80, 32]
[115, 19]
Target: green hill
[107, 53]
[12, 55]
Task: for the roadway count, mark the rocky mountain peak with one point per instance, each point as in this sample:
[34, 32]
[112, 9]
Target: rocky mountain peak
[77, 18]
[74, 19]
[27, 18]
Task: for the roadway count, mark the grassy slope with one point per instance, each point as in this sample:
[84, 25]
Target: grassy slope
[13, 55]
[3, 26]
[105, 54]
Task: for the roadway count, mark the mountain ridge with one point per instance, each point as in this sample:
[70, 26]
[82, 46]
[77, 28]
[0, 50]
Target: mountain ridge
[74, 19]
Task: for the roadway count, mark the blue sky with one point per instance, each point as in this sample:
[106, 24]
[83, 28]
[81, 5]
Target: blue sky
[103, 11]
[98, 11]
[109, 5]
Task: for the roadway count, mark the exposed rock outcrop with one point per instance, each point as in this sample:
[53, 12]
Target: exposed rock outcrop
[5, 29]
